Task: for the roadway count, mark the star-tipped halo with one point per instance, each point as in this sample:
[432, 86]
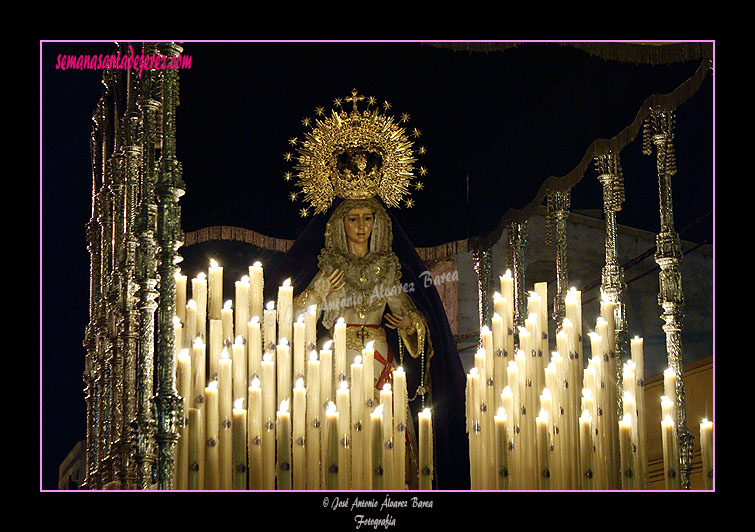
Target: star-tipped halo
[355, 153]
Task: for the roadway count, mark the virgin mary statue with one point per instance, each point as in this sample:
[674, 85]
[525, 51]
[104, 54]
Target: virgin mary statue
[354, 261]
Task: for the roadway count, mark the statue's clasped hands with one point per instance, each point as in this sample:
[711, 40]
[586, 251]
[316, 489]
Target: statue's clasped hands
[394, 321]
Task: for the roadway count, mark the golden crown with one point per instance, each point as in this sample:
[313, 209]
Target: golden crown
[354, 155]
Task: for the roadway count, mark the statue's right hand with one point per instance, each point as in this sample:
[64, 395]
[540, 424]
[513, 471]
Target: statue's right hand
[336, 280]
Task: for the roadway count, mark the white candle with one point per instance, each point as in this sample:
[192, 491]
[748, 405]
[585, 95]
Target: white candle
[425, 456]
[215, 346]
[401, 405]
[542, 291]
[501, 446]
[343, 401]
[299, 436]
[212, 456]
[268, 421]
[283, 365]
[313, 422]
[543, 451]
[285, 310]
[283, 439]
[626, 453]
[508, 405]
[180, 295]
[386, 401]
[239, 446]
[183, 381]
[639, 371]
[331, 454]
[670, 459]
[269, 337]
[199, 295]
[706, 450]
[326, 373]
[254, 441]
[586, 450]
[299, 347]
[256, 283]
[215, 289]
[499, 368]
[190, 325]
[339, 339]
[242, 306]
[357, 424]
[226, 318]
[368, 355]
[474, 428]
[225, 416]
[238, 356]
[254, 347]
[310, 327]
[198, 372]
[196, 450]
[376, 448]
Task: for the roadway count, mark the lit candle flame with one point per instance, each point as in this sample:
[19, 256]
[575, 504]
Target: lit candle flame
[213, 384]
[284, 406]
[344, 385]
[238, 404]
[387, 387]
[370, 346]
[244, 279]
[378, 410]
[331, 408]
[255, 383]
[224, 353]
[257, 265]
[313, 355]
[213, 263]
[357, 360]
[255, 320]
[326, 345]
[270, 305]
[300, 318]
[191, 303]
[198, 342]
[228, 305]
[201, 276]
[283, 342]
[299, 383]
[497, 296]
[287, 283]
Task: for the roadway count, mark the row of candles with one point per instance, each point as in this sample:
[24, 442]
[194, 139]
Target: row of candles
[268, 417]
[542, 420]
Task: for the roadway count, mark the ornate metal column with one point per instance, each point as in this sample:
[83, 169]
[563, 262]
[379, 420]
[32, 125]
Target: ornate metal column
[483, 261]
[517, 232]
[169, 188]
[558, 204]
[146, 274]
[108, 304]
[92, 332]
[613, 287]
[659, 129]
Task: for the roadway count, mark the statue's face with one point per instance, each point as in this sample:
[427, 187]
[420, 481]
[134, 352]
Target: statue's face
[358, 223]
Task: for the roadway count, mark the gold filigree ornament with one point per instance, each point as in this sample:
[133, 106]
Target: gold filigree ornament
[354, 155]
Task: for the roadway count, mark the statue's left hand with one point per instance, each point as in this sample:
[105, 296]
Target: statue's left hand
[398, 322]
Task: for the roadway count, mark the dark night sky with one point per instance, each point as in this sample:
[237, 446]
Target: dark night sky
[495, 124]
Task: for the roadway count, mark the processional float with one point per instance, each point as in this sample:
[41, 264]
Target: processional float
[526, 428]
